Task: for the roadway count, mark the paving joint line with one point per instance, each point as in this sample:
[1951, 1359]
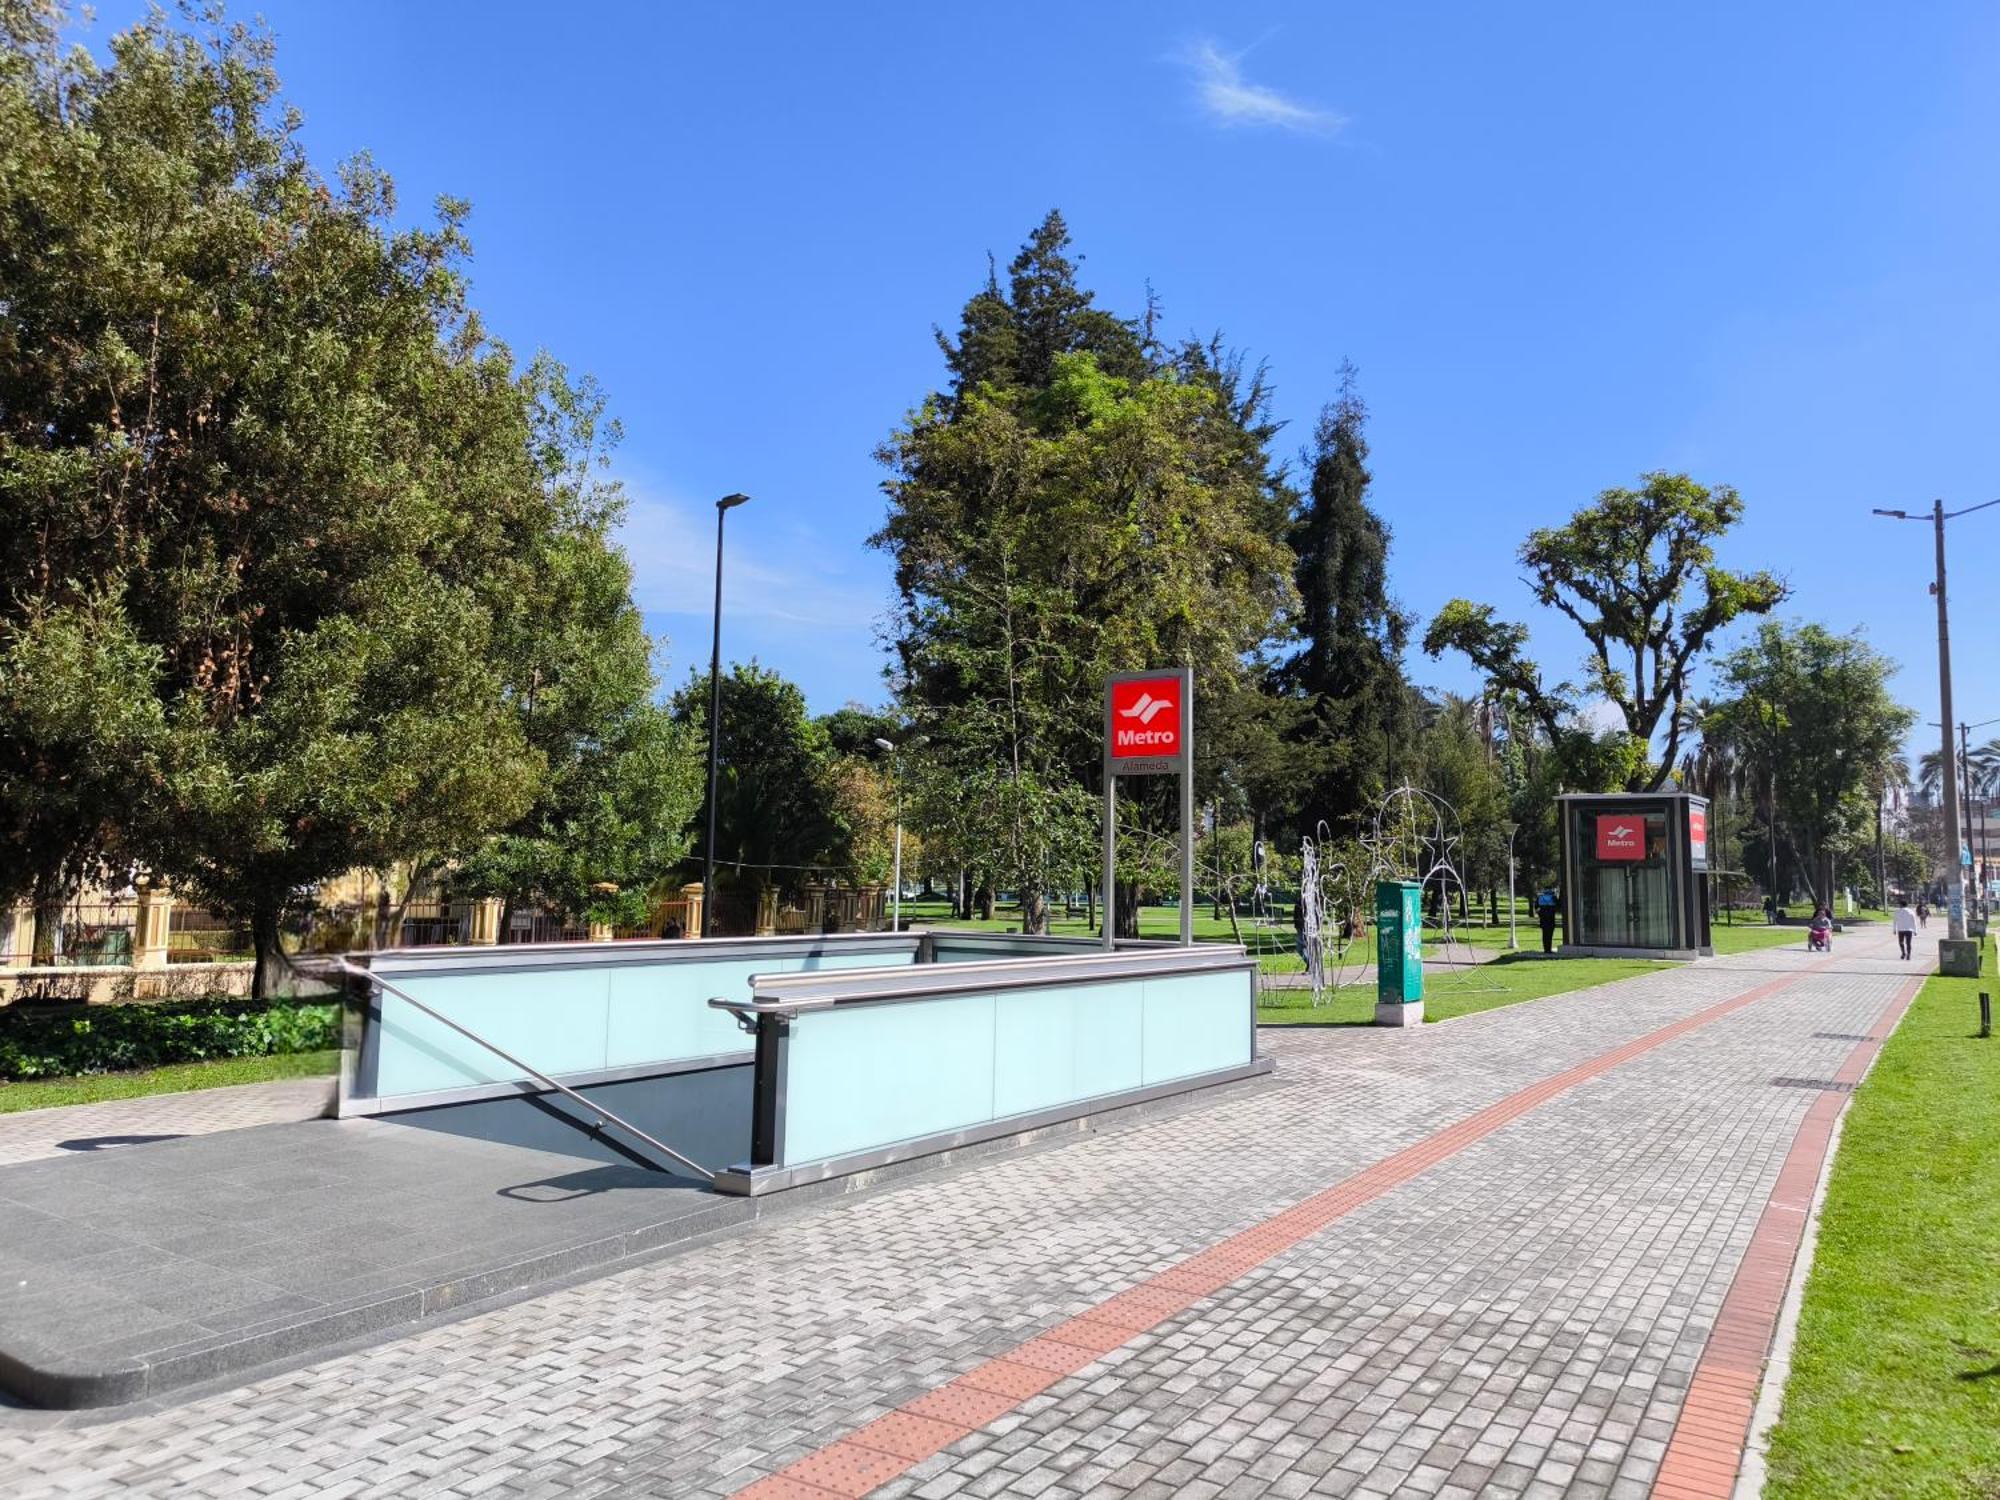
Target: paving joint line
[890, 1446]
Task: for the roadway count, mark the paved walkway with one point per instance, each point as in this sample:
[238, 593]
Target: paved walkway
[125, 1124]
[1485, 1257]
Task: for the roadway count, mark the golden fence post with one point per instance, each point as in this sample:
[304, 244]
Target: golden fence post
[17, 935]
[482, 925]
[151, 926]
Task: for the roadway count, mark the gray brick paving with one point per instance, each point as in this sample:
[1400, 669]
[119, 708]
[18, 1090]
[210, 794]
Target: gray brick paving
[129, 1124]
[1523, 1319]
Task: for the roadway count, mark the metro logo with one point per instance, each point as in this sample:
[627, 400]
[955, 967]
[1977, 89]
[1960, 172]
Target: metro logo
[1146, 718]
[1621, 836]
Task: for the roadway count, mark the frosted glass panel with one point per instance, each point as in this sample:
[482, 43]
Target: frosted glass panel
[870, 1075]
[1053, 1046]
[660, 1012]
[864, 1076]
[554, 1020]
[561, 1019]
[1194, 1023]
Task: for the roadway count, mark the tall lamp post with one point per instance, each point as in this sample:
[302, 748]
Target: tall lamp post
[1955, 908]
[896, 887]
[1513, 938]
[722, 508]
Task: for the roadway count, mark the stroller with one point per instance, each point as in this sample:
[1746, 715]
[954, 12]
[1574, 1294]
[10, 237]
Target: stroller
[1819, 936]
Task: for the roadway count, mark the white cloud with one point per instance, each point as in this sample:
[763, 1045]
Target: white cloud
[1231, 99]
[775, 573]
[1601, 716]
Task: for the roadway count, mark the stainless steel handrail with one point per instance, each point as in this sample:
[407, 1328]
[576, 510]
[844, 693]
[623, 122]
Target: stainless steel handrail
[793, 994]
[604, 1115]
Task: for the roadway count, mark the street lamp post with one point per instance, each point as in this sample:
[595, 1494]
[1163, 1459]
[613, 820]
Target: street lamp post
[1955, 908]
[1513, 938]
[722, 508]
[896, 890]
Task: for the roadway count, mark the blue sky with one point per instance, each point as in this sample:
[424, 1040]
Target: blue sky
[1564, 244]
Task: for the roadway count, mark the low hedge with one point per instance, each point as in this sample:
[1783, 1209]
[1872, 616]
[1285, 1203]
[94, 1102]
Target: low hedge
[58, 1041]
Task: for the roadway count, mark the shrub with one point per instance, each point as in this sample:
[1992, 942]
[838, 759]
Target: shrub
[39, 1042]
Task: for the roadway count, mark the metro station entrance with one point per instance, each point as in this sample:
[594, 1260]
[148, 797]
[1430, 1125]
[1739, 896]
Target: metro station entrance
[1634, 874]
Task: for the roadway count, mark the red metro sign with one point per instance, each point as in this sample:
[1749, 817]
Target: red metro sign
[1145, 726]
[1621, 836]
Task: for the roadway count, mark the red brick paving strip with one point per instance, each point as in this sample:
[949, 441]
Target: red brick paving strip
[1706, 1450]
[873, 1455]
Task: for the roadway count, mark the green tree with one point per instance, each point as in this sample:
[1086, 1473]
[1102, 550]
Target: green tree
[1348, 667]
[777, 821]
[258, 455]
[1810, 710]
[1636, 573]
[1075, 506]
[622, 779]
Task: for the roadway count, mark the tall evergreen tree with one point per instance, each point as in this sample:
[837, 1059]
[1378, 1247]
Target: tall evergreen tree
[1013, 338]
[1348, 669]
[1079, 502]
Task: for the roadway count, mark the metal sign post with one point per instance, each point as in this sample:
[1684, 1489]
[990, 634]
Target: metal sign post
[1149, 731]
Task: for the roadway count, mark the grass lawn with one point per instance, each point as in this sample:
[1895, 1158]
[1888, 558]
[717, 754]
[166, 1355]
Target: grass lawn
[1271, 941]
[180, 1078]
[1505, 981]
[1895, 1383]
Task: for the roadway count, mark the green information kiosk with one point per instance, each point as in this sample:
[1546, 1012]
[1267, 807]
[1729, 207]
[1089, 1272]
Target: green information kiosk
[1399, 953]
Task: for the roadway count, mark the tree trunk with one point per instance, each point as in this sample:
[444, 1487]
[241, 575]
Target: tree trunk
[272, 966]
[1034, 912]
[1090, 906]
[987, 896]
[48, 900]
[1126, 924]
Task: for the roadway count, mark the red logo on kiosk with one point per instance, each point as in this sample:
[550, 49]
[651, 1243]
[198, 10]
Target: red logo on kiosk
[1146, 718]
[1698, 833]
[1621, 836]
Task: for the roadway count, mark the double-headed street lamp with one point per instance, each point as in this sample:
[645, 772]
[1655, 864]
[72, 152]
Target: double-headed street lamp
[722, 508]
[1955, 908]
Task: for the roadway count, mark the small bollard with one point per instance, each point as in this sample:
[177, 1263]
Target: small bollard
[1985, 1014]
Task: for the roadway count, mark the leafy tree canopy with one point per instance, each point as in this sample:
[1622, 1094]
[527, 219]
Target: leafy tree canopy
[1081, 502]
[281, 528]
[1636, 573]
[1810, 710]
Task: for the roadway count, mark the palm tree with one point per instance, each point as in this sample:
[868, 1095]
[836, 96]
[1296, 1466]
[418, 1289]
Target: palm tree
[1983, 762]
[1930, 774]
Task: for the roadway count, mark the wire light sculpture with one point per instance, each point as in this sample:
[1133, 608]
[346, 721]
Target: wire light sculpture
[1414, 835]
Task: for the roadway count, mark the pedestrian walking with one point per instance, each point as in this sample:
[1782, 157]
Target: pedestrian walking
[1904, 924]
[1545, 912]
[1923, 912]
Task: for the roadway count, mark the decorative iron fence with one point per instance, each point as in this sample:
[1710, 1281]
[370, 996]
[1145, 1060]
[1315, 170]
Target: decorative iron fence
[526, 925]
[196, 935]
[432, 924]
[86, 933]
